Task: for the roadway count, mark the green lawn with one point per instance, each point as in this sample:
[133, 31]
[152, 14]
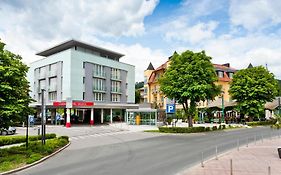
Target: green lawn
[18, 156]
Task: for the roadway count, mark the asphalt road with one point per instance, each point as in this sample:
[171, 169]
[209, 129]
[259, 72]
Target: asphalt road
[143, 153]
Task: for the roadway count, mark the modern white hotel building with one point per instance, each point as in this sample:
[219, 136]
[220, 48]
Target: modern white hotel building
[87, 81]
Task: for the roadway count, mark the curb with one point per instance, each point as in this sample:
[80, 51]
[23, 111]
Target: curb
[37, 162]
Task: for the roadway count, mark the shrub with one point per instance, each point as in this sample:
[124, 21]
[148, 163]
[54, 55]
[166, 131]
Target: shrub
[258, 123]
[276, 126]
[207, 129]
[214, 128]
[181, 129]
[220, 127]
[9, 140]
[223, 126]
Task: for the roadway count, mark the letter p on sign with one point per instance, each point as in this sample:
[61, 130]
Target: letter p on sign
[170, 108]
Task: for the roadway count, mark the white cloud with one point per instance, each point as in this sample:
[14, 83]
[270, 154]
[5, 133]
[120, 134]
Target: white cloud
[31, 26]
[255, 14]
[181, 31]
[240, 51]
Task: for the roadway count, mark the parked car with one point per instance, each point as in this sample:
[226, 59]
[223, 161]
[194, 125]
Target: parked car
[9, 131]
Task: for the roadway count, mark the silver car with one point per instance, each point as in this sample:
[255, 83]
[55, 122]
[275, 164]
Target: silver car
[9, 131]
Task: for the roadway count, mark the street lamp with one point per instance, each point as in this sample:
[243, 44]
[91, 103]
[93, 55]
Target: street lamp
[43, 124]
[222, 107]
[279, 109]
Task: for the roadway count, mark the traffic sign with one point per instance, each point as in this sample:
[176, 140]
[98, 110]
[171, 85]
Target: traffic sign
[170, 108]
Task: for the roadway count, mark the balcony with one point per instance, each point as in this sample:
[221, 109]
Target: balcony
[99, 89]
[116, 90]
[99, 74]
[116, 78]
[52, 88]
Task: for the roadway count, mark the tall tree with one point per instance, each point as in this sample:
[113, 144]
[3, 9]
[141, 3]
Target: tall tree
[14, 88]
[190, 78]
[252, 88]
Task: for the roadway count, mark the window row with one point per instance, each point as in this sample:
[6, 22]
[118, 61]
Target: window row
[101, 97]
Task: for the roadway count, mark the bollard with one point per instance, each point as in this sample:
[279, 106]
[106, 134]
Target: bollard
[202, 160]
[38, 129]
[231, 168]
[247, 142]
[238, 145]
[269, 170]
[216, 152]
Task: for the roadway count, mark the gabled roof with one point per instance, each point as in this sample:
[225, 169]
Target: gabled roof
[72, 43]
[150, 67]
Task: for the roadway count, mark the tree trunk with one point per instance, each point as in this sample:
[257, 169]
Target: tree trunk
[191, 113]
[190, 122]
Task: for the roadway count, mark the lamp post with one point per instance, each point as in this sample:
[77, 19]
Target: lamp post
[279, 109]
[222, 107]
[43, 110]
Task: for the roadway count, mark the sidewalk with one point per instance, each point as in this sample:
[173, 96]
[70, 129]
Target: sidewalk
[252, 160]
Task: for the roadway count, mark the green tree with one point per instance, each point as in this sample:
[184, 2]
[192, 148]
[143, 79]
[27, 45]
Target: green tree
[137, 96]
[14, 88]
[190, 78]
[252, 88]
[139, 85]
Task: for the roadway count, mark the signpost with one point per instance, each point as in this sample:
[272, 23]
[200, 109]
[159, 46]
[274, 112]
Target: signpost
[170, 108]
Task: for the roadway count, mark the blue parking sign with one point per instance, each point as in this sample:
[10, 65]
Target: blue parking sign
[170, 108]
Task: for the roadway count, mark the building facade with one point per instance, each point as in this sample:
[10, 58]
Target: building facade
[89, 79]
[158, 99]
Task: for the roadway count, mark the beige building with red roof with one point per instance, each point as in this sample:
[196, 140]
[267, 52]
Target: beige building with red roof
[154, 96]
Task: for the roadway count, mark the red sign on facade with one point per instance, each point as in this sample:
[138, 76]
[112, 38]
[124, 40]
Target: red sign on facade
[75, 103]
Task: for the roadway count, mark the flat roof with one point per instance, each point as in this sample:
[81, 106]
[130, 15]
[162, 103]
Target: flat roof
[71, 43]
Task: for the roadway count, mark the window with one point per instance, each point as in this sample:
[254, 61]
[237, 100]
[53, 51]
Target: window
[220, 74]
[145, 91]
[145, 80]
[115, 97]
[98, 97]
[42, 72]
[83, 95]
[52, 96]
[99, 70]
[53, 69]
[83, 80]
[115, 86]
[115, 73]
[84, 65]
[99, 84]
[42, 85]
[230, 74]
[52, 84]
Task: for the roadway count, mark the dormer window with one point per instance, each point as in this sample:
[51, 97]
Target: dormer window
[220, 74]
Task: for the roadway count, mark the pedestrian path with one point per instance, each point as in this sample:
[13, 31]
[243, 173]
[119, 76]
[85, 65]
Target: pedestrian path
[259, 158]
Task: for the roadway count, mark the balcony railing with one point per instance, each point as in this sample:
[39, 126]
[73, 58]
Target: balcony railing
[116, 90]
[99, 89]
[52, 88]
[99, 74]
[114, 77]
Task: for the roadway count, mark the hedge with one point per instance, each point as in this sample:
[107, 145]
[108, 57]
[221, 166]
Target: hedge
[258, 123]
[182, 129]
[190, 129]
[9, 140]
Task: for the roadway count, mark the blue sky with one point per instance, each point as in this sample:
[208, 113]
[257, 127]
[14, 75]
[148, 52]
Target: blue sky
[233, 31]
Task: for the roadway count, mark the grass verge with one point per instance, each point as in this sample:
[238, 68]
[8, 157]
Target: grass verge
[9, 140]
[153, 130]
[18, 156]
